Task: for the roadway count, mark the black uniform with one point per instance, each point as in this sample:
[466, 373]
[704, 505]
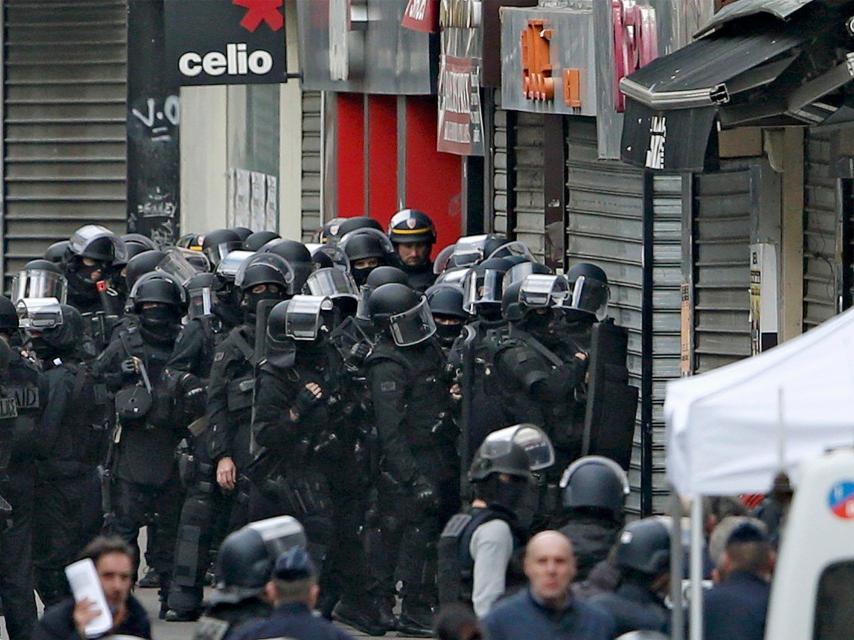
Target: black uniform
[592, 538]
[35, 425]
[188, 369]
[417, 441]
[147, 489]
[421, 277]
[224, 620]
[634, 608]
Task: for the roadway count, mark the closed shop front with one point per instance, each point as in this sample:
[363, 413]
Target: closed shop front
[312, 122]
[64, 127]
[528, 169]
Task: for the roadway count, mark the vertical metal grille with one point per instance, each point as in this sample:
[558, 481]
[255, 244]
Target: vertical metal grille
[500, 177]
[821, 227]
[528, 165]
[64, 115]
[722, 210]
[311, 163]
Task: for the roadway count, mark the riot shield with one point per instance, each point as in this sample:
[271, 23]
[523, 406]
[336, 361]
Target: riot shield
[609, 419]
[261, 314]
[466, 382]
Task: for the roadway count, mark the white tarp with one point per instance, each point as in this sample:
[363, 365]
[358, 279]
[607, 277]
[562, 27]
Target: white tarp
[724, 427]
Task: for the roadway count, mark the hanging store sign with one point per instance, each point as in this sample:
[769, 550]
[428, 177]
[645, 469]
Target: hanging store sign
[226, 41]
[421, 15]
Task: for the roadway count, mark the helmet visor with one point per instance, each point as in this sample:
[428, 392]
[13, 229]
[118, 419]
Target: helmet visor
[412, 326]
[305, 315]
[469, 250]
[590, 296]
[38, 314]
[456, 276]
[270, 259]
[85, 237]
[483, 288]
[362, 308]
[331, 282]
[442, 260]
[515, 248]
[543, 291]
[230, 265]
[183, 264]
[333, 252]
[218, 252]
[517, 273]
[39, 283]
[279, 534]
[200, 302]
[532, 439]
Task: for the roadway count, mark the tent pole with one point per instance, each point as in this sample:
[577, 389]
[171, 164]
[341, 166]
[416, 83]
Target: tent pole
[677, 570]
[696, 626]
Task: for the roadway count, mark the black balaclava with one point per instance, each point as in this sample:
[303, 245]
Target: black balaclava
[447, 333]
[81, 287]
[160, 324]
[361, 275]
[249, 303]
[508, 496]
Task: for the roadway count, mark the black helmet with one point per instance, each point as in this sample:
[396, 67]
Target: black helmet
[39, 279]
[383, 274]
[522, 268]
[644, 546]
[247, 556]
[201, 298]
[590, 292]
[157, 287]
[141, 264]
[511, 308]
[595, 482]
[362, 246]
[359, 222]
[391, 299]
[446, 300]
[411, 225]
[218, 244]
[265, 268]
[259, 239]
[403, 313]
[484, 284]
[191, 241]
[297, 255]
[68, 335]
[133, 250]
[243, 232]
[138, 239]
[493, 242]
[512, 461]
[97, 243]
[536, 291]
[56, 252]
[8, 316]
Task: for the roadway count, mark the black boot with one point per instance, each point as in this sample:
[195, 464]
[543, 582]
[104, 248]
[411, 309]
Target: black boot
[151, 580]
[361, 617]
[415, 619]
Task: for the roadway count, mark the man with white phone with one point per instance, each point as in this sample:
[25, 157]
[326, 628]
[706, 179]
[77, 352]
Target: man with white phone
[76, 617]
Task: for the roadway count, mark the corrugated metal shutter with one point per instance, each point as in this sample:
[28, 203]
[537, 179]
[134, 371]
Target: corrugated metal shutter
[500, 177]
[821, 226]
[312, 106]
[64, 115]
[722, 213]
[605, 226]
[528, 167]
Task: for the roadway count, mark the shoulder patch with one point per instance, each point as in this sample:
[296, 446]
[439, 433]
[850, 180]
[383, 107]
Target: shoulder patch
[388, 385]
[219, 355]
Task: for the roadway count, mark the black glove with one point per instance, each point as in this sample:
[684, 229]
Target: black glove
[424, 493]
[358, 353]
[306, 401]
[129, 371]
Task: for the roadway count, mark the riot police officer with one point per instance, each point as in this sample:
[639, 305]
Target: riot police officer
[261, 277]
[297, 256]
[476, 545]
[446, 306]
[303, 420]
[25, 411]
[258, 239]
[594, 494]
[419, 464]
[186, 375]
[67, 489]
[413, 234]
[55, 253]
[243, 567]
[217, 244]
[142, 454]
[358, 222]
[366, 249]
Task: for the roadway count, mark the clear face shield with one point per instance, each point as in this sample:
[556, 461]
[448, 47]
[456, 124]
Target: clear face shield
[456, 276]
[331, 282]
[183, 264]
[39, 314]
[543, 291]
[443, 259]
[229, 267]
[270, 259]
[482, 289]
[533, 440]
[304, 316]
[590, 296]
[85, 236]
[517, 273]
[200, 302]
[39, 283]
[219, 252]
[279, 534]
[469, 250]
[334, 253]
[413, 326]
[512, 249]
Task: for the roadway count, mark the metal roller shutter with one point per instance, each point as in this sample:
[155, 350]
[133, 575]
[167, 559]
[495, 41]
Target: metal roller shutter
[312, 106]
[500, 176]
[64, 122]
[528, 181]
[605, 226]
[822, 248]
[721, 234]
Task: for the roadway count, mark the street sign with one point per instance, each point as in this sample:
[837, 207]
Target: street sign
[226, 41]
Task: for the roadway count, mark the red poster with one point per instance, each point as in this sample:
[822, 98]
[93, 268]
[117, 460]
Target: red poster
[460, 118]
[421, 15]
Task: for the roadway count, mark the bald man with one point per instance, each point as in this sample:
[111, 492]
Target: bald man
[546, 610]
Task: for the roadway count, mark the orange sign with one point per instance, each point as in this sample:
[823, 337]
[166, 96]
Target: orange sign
[537, 81]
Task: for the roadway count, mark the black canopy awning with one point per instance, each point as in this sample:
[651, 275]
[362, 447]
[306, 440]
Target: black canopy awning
[752, 69]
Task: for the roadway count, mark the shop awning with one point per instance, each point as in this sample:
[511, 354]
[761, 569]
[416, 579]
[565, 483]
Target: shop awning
[772, 63]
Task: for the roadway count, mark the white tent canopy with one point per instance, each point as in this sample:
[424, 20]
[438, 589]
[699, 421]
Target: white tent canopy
[725, 427]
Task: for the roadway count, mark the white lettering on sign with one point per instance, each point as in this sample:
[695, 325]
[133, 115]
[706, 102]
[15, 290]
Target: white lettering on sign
[417, 9]
[456, 92]
[236, 61]
[657, 139]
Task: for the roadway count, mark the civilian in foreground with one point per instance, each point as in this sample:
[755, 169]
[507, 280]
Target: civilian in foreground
[293, 589]
[114, 562]
[547, 610]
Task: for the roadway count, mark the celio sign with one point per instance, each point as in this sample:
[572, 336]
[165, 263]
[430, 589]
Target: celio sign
[226, 41]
